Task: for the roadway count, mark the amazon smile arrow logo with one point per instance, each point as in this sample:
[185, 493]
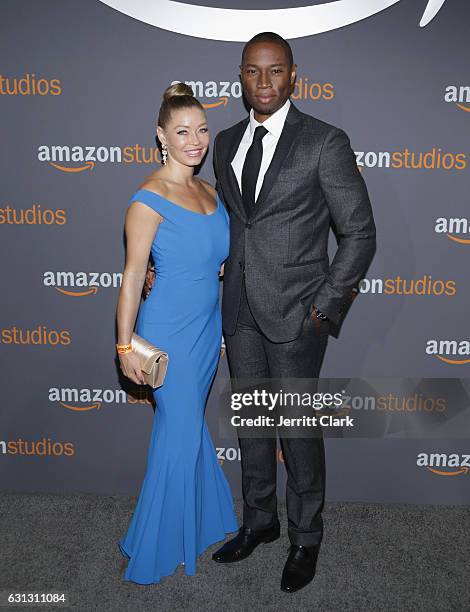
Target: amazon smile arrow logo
[96, 406]
[240, 25]
[463, 470]
[88, 166]
[91, 291]
[460, 240]
[453, 361]
[221, 102]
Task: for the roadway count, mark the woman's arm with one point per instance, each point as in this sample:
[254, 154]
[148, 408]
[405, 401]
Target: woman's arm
[140, 226]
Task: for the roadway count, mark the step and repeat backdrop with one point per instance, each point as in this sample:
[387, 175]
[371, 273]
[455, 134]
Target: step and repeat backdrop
[80, 88]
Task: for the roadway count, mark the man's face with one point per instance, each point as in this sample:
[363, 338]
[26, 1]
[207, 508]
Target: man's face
[267, 78]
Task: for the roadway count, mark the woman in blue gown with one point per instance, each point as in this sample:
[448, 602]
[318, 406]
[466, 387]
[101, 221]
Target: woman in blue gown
[185, 503]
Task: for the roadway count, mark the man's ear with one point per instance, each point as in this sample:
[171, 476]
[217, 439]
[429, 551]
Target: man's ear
[293, 74]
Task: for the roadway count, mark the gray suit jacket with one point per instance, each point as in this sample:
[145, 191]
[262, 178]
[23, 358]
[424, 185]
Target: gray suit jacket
[312, 183]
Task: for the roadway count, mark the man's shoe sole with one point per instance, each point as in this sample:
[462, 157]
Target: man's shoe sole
[298, 589]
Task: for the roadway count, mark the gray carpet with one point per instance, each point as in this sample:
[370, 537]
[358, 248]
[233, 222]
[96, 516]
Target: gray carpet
[374, 557]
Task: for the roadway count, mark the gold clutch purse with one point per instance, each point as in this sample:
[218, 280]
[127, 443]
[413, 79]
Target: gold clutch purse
[153, 361]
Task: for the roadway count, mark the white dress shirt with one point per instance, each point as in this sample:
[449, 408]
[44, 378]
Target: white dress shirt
[274, 125]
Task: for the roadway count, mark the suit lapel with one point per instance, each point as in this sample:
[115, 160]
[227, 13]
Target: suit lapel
[289, 132]
[230, 174]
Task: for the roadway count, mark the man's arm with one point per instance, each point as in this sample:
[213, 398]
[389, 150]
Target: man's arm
[215, 164]
[348, 202]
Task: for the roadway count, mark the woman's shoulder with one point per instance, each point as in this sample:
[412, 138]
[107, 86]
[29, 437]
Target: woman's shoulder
[156, 185]
[143, 194]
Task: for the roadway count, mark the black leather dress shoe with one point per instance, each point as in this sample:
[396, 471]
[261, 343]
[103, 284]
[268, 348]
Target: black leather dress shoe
[244, 543]
[300, 567]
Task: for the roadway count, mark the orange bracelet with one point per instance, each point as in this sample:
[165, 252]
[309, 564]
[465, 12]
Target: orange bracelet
[123, 348]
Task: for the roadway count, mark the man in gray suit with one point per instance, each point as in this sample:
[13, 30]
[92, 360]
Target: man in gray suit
[285, 178]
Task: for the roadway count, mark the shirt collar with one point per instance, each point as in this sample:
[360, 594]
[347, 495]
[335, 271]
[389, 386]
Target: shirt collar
[275, 123]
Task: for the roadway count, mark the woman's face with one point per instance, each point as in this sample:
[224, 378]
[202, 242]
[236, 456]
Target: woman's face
[186, 136]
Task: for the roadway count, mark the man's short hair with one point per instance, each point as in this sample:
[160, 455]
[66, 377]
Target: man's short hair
[271, 37]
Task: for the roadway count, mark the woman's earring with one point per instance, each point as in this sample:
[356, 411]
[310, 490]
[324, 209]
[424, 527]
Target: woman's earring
[164, 153]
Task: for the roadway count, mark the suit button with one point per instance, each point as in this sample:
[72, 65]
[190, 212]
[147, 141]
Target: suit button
[247, 225]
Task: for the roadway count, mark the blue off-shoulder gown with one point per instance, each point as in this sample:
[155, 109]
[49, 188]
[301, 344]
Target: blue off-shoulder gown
[185, 502]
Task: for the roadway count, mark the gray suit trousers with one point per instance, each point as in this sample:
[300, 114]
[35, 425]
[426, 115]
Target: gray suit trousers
[252, 355]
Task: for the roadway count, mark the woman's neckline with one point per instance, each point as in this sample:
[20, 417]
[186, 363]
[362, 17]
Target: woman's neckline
[194, 212]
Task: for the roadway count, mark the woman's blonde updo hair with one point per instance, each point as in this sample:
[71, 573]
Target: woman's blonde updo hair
[175, 97]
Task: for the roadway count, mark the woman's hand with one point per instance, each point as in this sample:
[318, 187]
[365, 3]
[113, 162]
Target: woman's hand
[315, 319]
[131, 368]
[222, 347]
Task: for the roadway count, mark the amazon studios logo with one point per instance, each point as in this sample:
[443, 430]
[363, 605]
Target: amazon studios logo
[458, 95]
[81, 400]
[452, 352]
[60, 156]
[79, 284]
[444, 464]
[454, 228]
[222, 91]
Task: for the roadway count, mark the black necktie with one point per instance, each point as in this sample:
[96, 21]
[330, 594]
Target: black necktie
[251, 168]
